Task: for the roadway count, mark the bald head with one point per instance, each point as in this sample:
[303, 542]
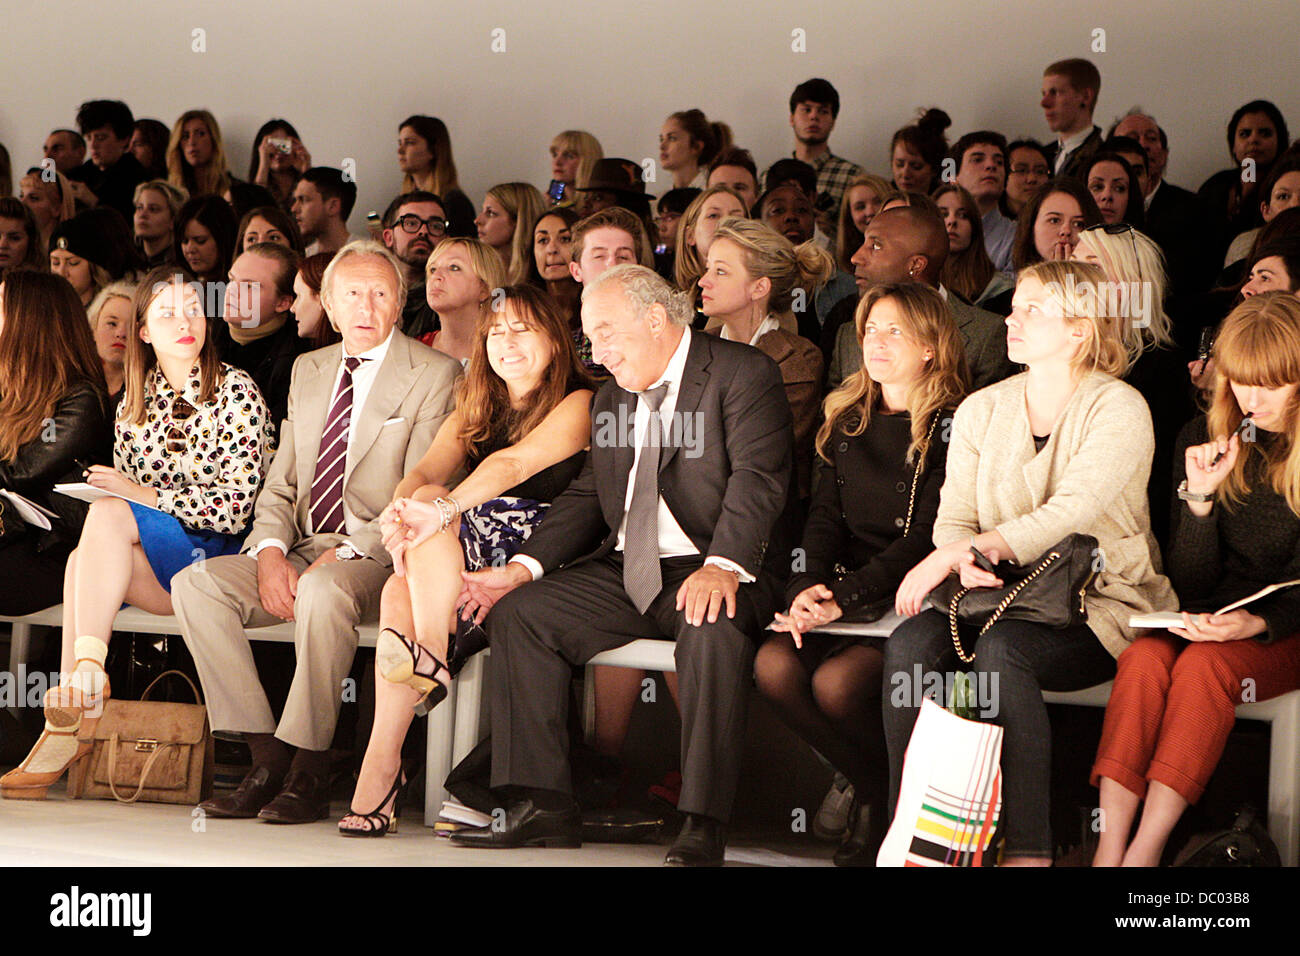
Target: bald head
[903, 244]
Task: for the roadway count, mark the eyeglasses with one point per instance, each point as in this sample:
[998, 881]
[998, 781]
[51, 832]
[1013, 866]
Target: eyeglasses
[175, 440]
[1020, 169]
[411, 223]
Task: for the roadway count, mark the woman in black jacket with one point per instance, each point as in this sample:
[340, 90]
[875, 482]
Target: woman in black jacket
[53, 422]
[881, 457]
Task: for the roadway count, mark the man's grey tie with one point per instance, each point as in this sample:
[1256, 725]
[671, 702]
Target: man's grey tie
[641, 576]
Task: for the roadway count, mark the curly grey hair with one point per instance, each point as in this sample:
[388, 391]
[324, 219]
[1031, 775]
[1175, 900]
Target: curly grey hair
[643, 288]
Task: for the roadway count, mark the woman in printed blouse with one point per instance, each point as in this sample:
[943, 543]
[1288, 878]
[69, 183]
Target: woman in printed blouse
[191, 445]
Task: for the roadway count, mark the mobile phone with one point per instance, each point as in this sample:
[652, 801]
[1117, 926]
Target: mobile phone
[1206, 344]
[982, 561]
[556, 191]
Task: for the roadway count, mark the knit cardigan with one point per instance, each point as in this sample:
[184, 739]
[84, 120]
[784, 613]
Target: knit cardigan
[1090, 477]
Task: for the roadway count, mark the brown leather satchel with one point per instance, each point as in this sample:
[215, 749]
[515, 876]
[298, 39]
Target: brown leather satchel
[155, 751]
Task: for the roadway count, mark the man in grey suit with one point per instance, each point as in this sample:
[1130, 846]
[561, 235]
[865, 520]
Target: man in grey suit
[660, 536]
[910, 244]
[361, 414]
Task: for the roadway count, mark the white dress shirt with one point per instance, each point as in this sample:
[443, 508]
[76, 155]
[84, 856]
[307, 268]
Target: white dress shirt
[362, 381]
[673, 541]
[769, 324]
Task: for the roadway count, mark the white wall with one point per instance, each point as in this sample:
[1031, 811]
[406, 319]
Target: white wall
[346, 72]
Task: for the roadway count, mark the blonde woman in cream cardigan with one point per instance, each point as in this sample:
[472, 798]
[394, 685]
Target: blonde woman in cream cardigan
[1065, 447]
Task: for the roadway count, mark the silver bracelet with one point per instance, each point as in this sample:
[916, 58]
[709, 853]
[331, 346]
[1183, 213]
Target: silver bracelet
[449, 509]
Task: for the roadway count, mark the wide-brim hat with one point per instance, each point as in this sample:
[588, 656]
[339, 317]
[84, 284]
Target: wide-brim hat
[616, 176]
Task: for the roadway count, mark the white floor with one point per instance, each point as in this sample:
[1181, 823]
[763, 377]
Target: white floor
[63, 832]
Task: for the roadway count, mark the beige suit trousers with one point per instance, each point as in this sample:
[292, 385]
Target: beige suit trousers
[216, 599]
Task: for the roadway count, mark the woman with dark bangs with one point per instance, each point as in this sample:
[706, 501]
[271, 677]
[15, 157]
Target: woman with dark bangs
[1235, 530]
[520, 429]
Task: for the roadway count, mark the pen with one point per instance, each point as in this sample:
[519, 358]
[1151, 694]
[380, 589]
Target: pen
[1239, 429]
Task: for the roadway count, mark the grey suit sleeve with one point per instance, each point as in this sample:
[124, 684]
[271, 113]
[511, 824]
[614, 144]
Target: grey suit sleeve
[846, 358]
[759, 434]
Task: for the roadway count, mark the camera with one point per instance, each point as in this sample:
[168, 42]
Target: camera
[283, 145]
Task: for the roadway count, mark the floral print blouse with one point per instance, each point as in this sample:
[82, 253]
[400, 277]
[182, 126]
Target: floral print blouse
[209, 484]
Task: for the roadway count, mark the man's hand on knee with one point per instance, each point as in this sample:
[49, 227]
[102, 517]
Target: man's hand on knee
[703, 594]
[277, 583]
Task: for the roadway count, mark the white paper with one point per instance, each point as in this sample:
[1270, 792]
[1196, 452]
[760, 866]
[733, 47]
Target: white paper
[87, 492]
[29, 511]
[1167, 619]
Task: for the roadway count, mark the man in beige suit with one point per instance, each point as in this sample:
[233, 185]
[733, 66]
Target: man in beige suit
[361, 414]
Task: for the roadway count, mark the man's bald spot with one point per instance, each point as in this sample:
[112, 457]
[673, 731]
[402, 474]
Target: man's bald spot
[919, 231]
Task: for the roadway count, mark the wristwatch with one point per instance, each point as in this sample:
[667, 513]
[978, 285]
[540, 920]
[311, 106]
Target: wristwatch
[345, 552]
[1196, 496]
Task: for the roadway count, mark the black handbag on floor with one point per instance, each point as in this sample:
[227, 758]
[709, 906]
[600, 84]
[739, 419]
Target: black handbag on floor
[1245, 843]
[1051, 591]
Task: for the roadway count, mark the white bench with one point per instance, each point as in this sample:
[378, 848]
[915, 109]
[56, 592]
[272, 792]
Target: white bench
[133, 620]
[1282, 713]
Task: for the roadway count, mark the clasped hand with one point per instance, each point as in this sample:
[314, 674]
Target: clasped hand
[811, 608]
[405, 524]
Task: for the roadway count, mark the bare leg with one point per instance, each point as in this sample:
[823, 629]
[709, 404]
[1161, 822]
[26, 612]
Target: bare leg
[1119, 807]
[1163, 809]
[433, 584]
[393, 714]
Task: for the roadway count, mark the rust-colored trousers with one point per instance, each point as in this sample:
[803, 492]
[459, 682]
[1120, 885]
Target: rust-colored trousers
[1174, 702]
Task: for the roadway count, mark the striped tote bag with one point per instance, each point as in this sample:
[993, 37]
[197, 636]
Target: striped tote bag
[950, 799]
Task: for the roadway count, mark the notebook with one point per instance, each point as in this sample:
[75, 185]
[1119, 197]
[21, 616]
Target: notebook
[1166, 619]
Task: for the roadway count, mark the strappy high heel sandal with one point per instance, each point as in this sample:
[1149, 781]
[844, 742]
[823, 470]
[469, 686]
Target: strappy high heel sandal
[399, 661]
[375, 823]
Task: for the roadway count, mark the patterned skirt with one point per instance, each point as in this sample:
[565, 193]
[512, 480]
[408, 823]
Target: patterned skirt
[490, 534]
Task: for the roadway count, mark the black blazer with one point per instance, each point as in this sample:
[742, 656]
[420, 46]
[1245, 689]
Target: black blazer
[726, 488]
[1079, 158]
[1178, 222]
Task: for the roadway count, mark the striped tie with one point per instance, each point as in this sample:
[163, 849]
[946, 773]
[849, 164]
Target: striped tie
[327, 486]
[642, 578]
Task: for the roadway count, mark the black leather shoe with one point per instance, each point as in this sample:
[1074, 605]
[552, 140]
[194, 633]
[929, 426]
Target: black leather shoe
[304, 799]
[526, 825]
[702, 842]
[866, 833]
[255, 791]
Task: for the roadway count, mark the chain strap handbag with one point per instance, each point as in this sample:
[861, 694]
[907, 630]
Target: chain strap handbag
[150, 750]
[1051, 592]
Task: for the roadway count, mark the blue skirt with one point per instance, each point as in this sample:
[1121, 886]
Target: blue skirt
[171, 547]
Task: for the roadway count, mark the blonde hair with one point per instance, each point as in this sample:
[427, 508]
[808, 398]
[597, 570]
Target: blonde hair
[483, 260]
[770, 255]
[60, 192]
[1133, 259]
[1259, 344]
[213, 179]
[943, 383]
[173, 196]
[688, 266]
[588, 149]
[1074, 286]
[114, 290]
[847, 237]
[523, 203]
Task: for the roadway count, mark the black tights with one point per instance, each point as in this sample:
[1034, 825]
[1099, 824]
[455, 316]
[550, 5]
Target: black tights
[834, 704]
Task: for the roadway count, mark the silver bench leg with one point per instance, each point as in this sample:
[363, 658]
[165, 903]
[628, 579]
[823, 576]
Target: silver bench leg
[469, 707]
[437, 755]
[1284, 781]
[19, 646]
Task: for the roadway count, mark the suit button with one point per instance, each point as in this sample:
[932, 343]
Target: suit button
[898, 522]
[844, 446]
[900, 487]
[839, 479]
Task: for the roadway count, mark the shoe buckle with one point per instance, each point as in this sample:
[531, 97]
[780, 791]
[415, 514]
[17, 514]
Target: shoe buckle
[146, 745]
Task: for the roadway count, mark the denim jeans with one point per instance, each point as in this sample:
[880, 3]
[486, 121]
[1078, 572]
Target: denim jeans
[1024, 659]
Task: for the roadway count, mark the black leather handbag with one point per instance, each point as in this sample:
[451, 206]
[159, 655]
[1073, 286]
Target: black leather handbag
[1051, 591]
[1245, 843]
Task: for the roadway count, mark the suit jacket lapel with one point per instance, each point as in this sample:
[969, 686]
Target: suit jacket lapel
[392, 381]
[311, 406]
[695, 377]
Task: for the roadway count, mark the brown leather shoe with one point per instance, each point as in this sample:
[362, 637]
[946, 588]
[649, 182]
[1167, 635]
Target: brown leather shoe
[304, 799]
[254, 792]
